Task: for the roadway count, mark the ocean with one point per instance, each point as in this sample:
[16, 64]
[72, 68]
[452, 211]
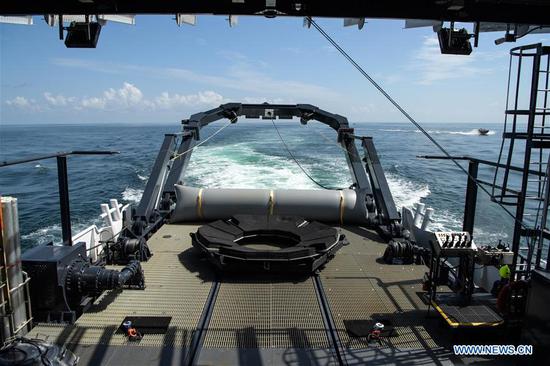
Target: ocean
[247, 154]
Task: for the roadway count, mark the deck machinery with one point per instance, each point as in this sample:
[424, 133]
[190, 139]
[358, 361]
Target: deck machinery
[215, 288]
[218, 276]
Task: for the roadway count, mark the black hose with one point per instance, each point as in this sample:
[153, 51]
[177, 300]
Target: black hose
[128, 272]
[85, 279]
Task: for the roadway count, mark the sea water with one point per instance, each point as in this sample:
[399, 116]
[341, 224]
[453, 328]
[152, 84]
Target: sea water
[248, 154]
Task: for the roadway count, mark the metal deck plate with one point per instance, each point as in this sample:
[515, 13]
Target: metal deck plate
[269, 321]
[474, 315]
[261, 320]
[178, 282]
[360, 286]
[256, 313]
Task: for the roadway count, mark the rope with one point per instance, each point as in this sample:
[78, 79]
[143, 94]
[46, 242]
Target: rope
[177, 156]
[407, 115]
[294, 158]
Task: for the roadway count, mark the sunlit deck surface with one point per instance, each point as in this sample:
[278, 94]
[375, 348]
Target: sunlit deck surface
[265, 320]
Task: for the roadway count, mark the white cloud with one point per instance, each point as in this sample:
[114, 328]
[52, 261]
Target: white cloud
[58, 100]
[129, 94]
[94, 103]
[22, 103]
[260, 100]
[123, 98]
[168, 101]
[432, 66]
[363, 109]
[126, 98]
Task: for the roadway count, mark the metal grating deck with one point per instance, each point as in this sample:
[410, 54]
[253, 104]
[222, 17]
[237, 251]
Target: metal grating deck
[258, 319]
[266, 313]
[360, 286]
[177, 285]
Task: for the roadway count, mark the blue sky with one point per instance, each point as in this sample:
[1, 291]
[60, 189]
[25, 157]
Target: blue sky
[155, 72]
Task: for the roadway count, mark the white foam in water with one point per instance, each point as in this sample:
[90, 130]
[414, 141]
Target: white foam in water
[443, 220]
[53, 233]
[142, 177]
[473, 132]
[491, 236]
[44, 235]
[406, 193]
[221, 166]
[395, 130]
[132, 195]
[240, 166]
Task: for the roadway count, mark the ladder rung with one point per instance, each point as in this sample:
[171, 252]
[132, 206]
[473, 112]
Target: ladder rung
[524, 112]
[540, 144]
[544, 90]
[544, 71]
[542, 109]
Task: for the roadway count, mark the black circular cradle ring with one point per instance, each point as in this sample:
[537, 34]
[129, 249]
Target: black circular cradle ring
[252, 243]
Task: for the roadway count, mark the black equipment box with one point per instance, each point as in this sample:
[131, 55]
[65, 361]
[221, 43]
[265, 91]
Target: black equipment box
[46, 266]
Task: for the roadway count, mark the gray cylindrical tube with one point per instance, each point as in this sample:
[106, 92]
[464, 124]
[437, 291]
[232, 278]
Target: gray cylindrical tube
[332, 206]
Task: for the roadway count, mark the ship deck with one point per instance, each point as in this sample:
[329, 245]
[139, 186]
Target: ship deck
[255, 320]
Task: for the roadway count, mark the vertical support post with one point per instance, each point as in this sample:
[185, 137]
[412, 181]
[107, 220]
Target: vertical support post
[152, 191]
[64, 199]
[179, 166]
[471, 198]
[380, 188]
[355, 164]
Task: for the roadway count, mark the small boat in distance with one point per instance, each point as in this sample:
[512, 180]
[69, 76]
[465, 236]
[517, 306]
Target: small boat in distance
[483, 131]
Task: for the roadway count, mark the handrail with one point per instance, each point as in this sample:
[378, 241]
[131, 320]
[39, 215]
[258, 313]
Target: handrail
[55, 155]
[62, 181]
[481, 161]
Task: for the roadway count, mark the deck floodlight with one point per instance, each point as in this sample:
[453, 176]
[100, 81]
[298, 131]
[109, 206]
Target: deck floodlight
[454, 42]
[82, 34]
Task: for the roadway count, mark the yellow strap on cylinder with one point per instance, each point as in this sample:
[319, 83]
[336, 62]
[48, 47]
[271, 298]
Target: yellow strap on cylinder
[199, 204]
[341, 208]
[271, 202]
